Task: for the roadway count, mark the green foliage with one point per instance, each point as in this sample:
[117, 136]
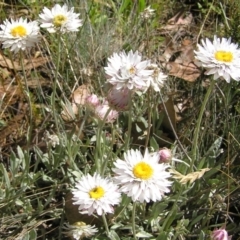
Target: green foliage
[205, 5]
[233, 28]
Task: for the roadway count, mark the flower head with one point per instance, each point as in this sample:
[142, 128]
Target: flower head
[101, 110]
[220, 234]
[119, 98]
[147, 13]
[92, 101]
[157, 79]
[51, 139]
[59, 18]
[95, 194]
[165, 155]
[79, 230]
[127, 70]
[141, 177]
[220, 57]
[19, 34]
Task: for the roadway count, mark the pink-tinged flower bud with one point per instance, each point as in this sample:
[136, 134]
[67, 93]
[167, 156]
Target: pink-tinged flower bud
[92, 101]
[220, 234]
[102, 109]
[165, 155]
[119, 98]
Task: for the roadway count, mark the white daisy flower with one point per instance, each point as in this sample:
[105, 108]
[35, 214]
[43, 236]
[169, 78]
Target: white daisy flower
[147, 13]
[128, 70]
[157, 79]
[19, 35]
[79, 230]
[96, 194]
[220, 57]
[59, 18]
[141, 177]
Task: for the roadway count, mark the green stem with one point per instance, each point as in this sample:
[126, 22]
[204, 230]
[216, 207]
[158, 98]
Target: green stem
[133, 221]
[55, 84]
[98, 153]
[149, 90]
[105, 224]
[147, 39]
[198, 126]
[127, 142]
[29, 102]
[149, 118]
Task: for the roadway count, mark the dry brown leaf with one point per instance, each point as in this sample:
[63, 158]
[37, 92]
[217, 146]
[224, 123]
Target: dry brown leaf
[28, 64]
[9, 94]
[7, 63]
[186, 43]
[181, 18]
[36, 82]
[169, 51]
[180, 21]
[187, 72]
[187, 53]
[34, 63]
[80, 94]
[4, 73]
[4, 91]
[183, 66]
[69, 112]
[184, 19]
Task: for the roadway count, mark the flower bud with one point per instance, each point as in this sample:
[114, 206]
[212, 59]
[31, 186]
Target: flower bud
[147, 13]
[119, 99]
[220, 234]
[102, 109]
[92, 101]
[165, 155]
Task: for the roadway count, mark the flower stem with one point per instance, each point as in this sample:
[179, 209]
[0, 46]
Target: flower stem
[105, 224]
[55, 84]
[133, 221]
[149, 91]
[199, 121]
[29, 102]
[149, 118]
[98, 153]
[127, 142]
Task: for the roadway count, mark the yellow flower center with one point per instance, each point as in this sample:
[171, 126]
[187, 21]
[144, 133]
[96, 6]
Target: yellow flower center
[132, 70]
[79, 224]
[97, 192]
[59, 20]
[224, 56]
[19, 31]
[143, 170]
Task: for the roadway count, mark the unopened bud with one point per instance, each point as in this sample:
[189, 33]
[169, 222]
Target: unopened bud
[165, 155]
[220, 234]
[92, 101]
